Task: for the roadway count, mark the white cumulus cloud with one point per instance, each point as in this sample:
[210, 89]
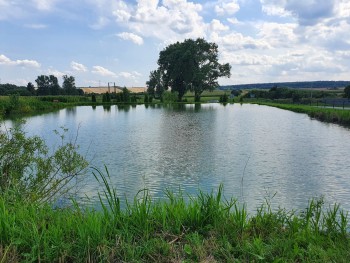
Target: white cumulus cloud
[103, 71]
[129, 75]
[131, 37]
[216, 25]
[23, 63]
[225, 7]
[308, 12]
[167, 20]
[55, 72]
[78, 67]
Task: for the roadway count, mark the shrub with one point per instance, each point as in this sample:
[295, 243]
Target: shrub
[223, 98]
[146, 98]
[106, 97]
[93, 97]
[29, 171]
[169, 97]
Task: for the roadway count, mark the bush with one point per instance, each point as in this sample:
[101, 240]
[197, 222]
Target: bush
[93, 97]
[31, 173]
[169, 97]
[106, 97]
[223, 98]
[13, 104]
[146, 98]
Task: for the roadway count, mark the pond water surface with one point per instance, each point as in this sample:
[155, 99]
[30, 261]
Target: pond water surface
[256, 152]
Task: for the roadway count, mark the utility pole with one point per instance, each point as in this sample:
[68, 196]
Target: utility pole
[109, 87]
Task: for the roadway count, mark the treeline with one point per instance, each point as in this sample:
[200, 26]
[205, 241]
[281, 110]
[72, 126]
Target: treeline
[286, 93]
[294, 85]
[45, 85]
[10, 89]
[121, 97]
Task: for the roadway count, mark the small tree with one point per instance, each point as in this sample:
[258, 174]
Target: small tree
[155, 87]
[146, 99]
[13, 104]
[126, 95]
[169, 97]
[69, 85]
[93, 97]
[347, 92]
[119, 97]
[106, 97]
[223, 98]
[133, 99]
[31, 88]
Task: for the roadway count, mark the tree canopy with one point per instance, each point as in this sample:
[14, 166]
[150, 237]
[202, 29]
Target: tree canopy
[347, 92]
[10, 89]
[31, 88]
[155, 85]
[69, 84]
[191, 65]
[47, 85]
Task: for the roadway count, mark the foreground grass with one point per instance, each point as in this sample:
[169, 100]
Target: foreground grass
[204, 229]
[339, 116]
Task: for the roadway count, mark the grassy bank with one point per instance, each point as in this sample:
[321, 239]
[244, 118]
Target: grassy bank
[15, 105]
[206, 229]
[338, 116]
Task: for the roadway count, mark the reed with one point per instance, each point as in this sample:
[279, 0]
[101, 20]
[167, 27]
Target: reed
[16, 105]
[201, 228]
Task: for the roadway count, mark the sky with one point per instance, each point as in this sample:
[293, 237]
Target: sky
[118, 41]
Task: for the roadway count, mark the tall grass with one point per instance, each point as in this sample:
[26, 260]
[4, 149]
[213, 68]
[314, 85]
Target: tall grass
[27, 105]
[15, 105]
[202, 228]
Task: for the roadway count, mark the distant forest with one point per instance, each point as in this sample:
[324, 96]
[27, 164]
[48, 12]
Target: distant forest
[46, 85]
[292, 85]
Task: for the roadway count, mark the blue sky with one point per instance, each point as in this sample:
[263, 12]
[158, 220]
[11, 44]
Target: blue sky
[101, 41]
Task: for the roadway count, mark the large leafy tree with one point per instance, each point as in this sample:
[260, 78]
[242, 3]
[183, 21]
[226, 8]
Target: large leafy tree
[190, 65]
[47, 85]
[69, 85]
